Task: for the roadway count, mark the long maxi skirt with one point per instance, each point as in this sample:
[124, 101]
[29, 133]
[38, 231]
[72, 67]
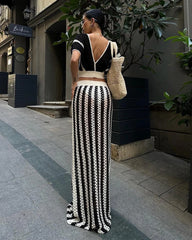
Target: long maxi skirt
[91, 140]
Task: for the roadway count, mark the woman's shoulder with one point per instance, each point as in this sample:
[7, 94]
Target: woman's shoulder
[81, 36]
[80, 42]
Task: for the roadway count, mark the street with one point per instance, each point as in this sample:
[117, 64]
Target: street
[148, 193]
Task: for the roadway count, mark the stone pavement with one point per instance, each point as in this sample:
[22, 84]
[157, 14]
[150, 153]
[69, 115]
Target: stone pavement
[148, 193]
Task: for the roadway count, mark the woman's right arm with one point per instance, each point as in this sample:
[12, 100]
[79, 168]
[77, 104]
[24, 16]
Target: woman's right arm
[77, 49]
[74, 69]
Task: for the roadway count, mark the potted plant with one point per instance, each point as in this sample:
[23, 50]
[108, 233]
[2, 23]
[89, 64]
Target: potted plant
[182, 102]
[126, 22]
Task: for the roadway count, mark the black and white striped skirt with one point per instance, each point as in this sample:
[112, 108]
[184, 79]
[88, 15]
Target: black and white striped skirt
[92, 120]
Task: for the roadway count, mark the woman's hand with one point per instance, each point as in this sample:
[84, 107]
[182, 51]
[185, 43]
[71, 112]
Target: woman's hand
[74, 84]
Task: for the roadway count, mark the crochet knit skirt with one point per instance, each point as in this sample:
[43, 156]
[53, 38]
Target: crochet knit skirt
[91, 140]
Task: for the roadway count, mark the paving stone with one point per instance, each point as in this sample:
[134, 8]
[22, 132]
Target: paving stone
[172, 178]
[31, 181]
[9, 157]
[137, 212]
[42, 234]
[183, 187]
[57, 130]
[13, 201]
[41, 193]
[62, 184]
[176, 198]
[61, 231]
[8, 186]
[51, 211]
[138, 161]
[117, 168]
[136, 176]
[24, 222]
[148, 213]
[43, 164]
[71, 232]
[6, 232]
[4, 145]
[6, 175]
[62, 158]
[155, 186]
[141, 164]
[64, 142]
[144, 163]
[21, 168]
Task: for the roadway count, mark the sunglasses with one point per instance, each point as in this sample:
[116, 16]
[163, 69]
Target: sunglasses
[84, 20]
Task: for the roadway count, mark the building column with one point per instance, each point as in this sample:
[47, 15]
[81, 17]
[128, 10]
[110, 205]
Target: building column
[188, 16]
[20, 54]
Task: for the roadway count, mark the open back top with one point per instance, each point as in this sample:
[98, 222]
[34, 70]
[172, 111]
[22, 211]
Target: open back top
[82, 43]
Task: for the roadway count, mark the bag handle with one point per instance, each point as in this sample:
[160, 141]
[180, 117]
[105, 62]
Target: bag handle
[113, 48]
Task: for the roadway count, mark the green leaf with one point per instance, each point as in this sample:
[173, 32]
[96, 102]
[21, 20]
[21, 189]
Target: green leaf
[123, 21]
[70, 31]
[150, 33]
[158, 32]
[162, 14]
[186, 83]
[168, 105]
[64, 9]
[171, 38]
[166, 95]
[162, 2]
[143, 6]
[184, 121]
[64, 37]
[58, 42]
[182, 37]
[64, 17]
[153, 5]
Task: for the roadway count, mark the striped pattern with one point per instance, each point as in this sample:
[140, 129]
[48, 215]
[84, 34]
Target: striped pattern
[92, 108]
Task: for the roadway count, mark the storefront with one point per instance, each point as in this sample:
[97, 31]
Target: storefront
[48, 61]
[14, 37]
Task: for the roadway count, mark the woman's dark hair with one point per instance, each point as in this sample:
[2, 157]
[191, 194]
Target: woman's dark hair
[98, 15]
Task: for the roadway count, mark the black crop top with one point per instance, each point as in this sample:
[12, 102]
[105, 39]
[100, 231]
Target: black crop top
[82, 43]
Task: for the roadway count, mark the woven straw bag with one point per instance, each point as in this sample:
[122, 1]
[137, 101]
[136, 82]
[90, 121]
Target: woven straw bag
[115, 80]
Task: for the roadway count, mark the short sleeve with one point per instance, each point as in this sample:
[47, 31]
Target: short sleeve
[78, 43]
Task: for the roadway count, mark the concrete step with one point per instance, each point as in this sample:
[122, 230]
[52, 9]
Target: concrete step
[58, 103]
[4, 97]
[53, 111]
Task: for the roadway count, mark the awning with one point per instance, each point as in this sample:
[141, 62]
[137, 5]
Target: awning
[7, 2]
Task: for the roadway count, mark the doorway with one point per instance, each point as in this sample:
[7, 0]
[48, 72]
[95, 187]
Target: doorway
[4, 62]
[55, 67]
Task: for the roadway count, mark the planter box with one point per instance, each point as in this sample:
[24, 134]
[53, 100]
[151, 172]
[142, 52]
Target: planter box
[3, 82]
[22, 90]
[131, 116]
[169, 136]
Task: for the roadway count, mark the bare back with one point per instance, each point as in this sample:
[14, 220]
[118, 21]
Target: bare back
[98, 44]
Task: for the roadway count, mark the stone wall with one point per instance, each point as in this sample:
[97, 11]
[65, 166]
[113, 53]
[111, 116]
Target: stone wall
[169, 136]
[43, 4]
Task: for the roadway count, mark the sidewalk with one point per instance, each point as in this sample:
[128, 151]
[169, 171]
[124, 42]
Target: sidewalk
[148, 194]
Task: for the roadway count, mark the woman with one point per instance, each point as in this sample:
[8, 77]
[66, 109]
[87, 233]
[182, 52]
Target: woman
[92, 112]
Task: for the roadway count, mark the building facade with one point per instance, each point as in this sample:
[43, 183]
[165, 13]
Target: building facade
[37, 55]
[48, 61]
[5, 40]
